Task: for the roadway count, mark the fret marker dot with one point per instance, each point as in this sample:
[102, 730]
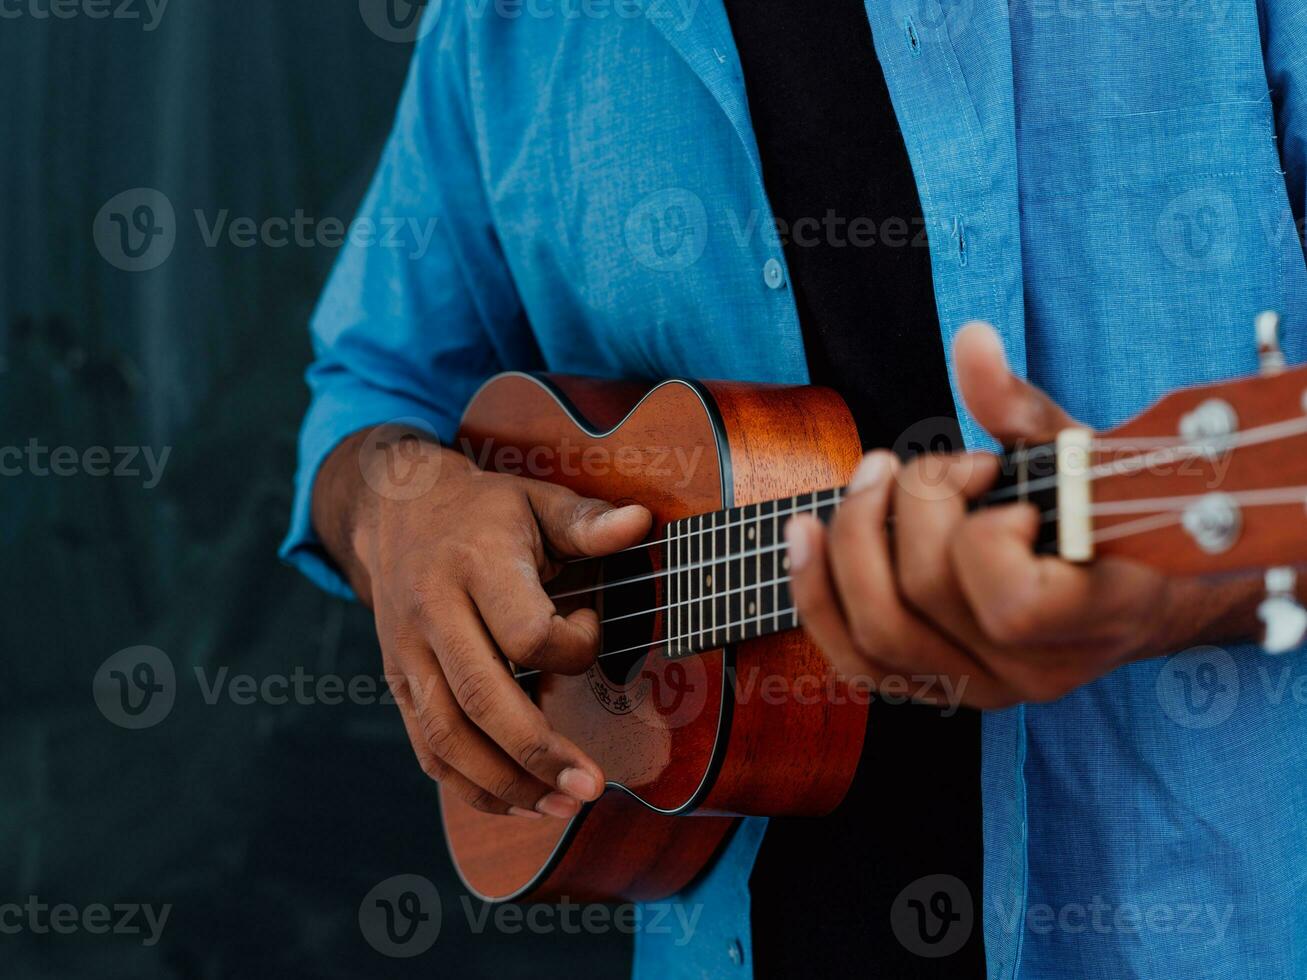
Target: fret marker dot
[786, 563]
[750, 534]
[707, 580]
[753, 608]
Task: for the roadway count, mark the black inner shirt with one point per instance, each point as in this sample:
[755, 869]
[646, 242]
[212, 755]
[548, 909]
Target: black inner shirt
[841, 187]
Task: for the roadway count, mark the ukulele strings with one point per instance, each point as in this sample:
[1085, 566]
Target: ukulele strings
[1172, 507]
[1015, 457]
[1271, 432]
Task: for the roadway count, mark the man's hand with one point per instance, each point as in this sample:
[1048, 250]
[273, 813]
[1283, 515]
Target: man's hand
[962, 595]
[454, 577]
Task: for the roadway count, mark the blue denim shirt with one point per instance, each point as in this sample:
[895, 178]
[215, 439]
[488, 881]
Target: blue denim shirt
[1115, 184]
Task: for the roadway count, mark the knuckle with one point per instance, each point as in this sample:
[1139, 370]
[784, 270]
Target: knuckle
[483, 800]
[507, 786]
[427, 595]
[919, 585]
[464, 556]
[532, 750]
[865, 634]
[432, 767]
[1010, 624]
[530, 638]
[475, 692]
[442, 738]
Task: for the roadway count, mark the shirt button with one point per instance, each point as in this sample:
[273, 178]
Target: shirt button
[736, 952]
[773, 273]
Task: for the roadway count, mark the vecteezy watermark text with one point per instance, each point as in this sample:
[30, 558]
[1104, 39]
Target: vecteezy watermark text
[402, 916]
[37, 459]
[64, 919]
[148, 12]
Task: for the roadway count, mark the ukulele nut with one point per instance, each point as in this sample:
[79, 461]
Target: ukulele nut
[1210, 426]
[1214, 522]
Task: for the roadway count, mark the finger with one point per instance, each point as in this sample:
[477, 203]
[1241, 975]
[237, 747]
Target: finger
[523, 620]
[493, 702]
[578, 527]
[1010, 409]
[474, 796]
[813, 592]
[1020, 598]
[474, 767]
[930, 503]
[881, 627]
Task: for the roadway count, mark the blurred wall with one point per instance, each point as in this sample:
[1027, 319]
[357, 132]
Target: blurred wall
[262, 825]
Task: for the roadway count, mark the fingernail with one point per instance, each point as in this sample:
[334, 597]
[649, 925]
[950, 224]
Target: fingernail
[871, 472]
[796, 536]
[616, 513]
[578, 783]
[517, 811]
[558, 805]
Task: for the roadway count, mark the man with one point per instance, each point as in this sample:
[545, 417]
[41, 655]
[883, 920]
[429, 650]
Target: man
[1110, 185]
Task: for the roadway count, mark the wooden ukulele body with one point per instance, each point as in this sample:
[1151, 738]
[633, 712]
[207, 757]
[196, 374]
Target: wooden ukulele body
[686, 744]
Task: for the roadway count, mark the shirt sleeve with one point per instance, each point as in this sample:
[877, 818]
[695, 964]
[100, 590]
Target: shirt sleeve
[1284, 43]
[400, 331]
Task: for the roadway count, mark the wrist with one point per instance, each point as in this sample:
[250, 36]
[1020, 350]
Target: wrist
[365, 485]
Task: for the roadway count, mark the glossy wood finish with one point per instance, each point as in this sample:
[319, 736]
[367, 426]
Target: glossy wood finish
[1270, 535]
[685, 744]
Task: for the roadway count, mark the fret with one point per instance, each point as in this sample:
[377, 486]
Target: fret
[747, 607]
[730, 572]
[734, 534]
[686, 606]
[669, 621]
[706, 581]
[721, 578]
[765, 559]
[780, 563]
[692, 582]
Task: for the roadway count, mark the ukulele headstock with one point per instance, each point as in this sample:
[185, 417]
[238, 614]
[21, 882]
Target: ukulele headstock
[1210, 480]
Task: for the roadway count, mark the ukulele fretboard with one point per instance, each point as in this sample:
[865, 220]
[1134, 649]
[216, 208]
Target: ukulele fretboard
[728, 572]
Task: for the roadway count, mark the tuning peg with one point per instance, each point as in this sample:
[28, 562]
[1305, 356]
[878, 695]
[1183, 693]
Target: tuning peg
[1269, 355]
[1283, 614]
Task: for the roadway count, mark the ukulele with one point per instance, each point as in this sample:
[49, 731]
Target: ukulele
[706, 703]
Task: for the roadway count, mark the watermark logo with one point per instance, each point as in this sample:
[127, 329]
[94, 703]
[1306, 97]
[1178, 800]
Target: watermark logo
[400, 21]
[1199, 688]
[400, 917]
[922, 19]
[934, 440]
[933, 916]
[136, 230]
[668, 230]
[136, 687]
[1199, 230]
[399, 461]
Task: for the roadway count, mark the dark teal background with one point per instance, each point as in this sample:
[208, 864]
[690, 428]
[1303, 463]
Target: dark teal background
[263, 826]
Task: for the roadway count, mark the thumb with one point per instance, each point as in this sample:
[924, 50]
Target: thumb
[1010, 409]
[583, 527]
